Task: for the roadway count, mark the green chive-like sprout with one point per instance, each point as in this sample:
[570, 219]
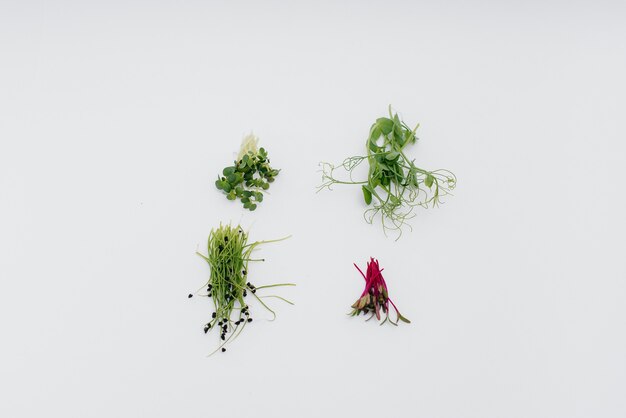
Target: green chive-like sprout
[229, 256]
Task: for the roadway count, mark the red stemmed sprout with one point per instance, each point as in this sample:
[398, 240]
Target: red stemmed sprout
[375, 296]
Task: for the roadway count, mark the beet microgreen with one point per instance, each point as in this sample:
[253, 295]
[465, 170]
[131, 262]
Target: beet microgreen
[229, 254]
[249, 176]
[394, 185]
[375, 296]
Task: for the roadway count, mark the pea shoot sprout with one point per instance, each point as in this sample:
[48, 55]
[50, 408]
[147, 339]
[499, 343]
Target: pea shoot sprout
[228, 287]
[395, 186]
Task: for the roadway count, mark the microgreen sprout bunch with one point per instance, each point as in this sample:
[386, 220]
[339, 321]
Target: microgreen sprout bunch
[249, 176]
[229, 288]
[395, 186]
[375, 296]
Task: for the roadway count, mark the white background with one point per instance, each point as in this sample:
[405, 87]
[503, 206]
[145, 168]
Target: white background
[116, 116]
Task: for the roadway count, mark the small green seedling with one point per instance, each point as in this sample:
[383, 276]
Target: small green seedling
[249, 176]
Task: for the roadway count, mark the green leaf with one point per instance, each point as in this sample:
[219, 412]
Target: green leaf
[399, 140]
[397, 126]
[392, 155]
[232, 178]
[409, 136]
[428, 181]
[258, 196]
[252, 206]
[228, 171]
[372, 145]
[385, 125]
[375, 133]
[367, 194]
[231, 195]
[218, 184]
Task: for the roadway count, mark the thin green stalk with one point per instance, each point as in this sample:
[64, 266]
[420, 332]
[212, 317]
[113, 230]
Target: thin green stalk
[228, 257]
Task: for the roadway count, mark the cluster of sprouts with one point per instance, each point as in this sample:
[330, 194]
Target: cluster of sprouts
[228, 287]
[375, 298]
[249, 176]
[395, 186]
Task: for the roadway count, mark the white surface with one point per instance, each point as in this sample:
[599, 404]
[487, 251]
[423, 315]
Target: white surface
[116, 116]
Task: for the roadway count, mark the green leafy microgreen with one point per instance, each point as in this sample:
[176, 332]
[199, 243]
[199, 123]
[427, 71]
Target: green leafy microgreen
[249, 176]
[395, 186]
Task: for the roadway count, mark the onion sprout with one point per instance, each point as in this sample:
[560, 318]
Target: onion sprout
[229, 256]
